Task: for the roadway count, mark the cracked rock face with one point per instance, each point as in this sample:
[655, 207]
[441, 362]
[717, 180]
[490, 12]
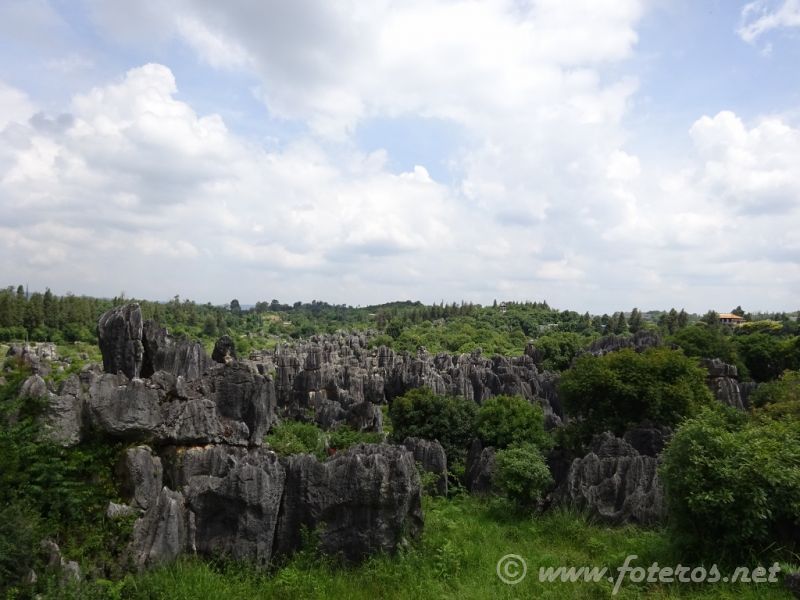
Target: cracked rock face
[723, 381]
[119, 332]
[248, 504]
[431, 456]
[615, 484]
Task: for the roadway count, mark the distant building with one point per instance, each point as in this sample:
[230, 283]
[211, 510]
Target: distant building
[730, 319]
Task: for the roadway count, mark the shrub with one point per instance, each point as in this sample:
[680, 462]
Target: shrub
[343, 437]
[779, 398]
[506, 420]
[295, 437]
[522, 474]
[733, 483]
[449, 419]
[624, 388]
[559, 349]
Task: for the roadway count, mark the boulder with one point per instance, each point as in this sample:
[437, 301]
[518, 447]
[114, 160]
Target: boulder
[431, 456]
[119, 333]
[615, 484]
[648, 439]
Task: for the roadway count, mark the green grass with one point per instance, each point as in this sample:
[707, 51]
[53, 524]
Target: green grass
[456, 558]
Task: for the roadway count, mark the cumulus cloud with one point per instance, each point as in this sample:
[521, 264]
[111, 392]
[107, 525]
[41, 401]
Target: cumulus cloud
[132, 186]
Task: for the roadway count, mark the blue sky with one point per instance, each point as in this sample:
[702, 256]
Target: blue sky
[600, 154]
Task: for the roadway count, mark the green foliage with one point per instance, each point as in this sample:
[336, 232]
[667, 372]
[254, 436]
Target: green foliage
[456, 558]
[449, 419]
[733, 483]
[779, 398]
[767, 355]
[559, 349]
[344, 436]
[624, 388]
[522, 474]
[50, 491]
[506, 420]
[295, 437]
[704, 341]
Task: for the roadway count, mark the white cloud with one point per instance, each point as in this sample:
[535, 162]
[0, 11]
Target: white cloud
[763, 16]
[14, 106]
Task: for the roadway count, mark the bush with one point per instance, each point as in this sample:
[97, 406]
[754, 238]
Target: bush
[295, 437]
[522, 474]
[779, 398]
[559, 349]
[343, 437]
[506, 420]
[733, 483]
[622, 389]
[449, 419]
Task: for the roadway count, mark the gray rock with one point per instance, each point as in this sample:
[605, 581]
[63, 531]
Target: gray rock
[361, 501]
[615, 484]
[639, 342]
[791, 581]
[480, 469]
[123, 408]
[140, 477]
[180, 356]
[34, 387]
[432, 457]
[119, 333]
[235, 508]
[243, 395]
[723, 382]
[224, 350]
[161, 535]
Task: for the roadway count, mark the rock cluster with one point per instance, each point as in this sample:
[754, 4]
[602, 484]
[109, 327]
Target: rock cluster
[330, 375]
[615, 483]
[639, 342]
[200, 478]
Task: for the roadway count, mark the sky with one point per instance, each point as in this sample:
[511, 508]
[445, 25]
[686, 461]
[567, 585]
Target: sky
[597, 154]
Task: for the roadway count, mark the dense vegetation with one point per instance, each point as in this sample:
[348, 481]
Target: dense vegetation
[732, 477]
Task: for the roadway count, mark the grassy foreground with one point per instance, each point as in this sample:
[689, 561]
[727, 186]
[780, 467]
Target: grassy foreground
[457, 557]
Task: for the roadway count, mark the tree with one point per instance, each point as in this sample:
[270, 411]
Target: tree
[738, 311]
[236, 309]
[621, 325]
[506, 420]
[682, 320]
[622, 389]
[635, 321]
[449, 419]
[522, 474]
[733, 483]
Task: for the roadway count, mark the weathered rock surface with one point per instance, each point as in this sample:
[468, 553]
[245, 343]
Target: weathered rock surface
[36, 356]
[180, 356]
[723, 381]
[248, 504]
[480, 469]
[119, 332]
[615, 484]
[365, 499]
[224, 350]
[343, 369]
[432, 457]
[140, 477]
[639, 342]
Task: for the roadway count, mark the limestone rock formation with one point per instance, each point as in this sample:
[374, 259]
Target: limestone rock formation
[639, 342]
[480, 469]
[431, 456]
[119, 332]
[248, 504]
[140, 477]
[723, 381]
[615, 484]
[224, 350]
[365, 500]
